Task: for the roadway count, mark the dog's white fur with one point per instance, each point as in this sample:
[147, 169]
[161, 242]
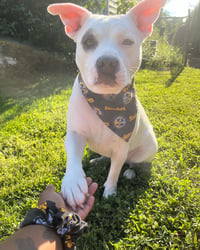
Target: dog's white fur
[114, 36]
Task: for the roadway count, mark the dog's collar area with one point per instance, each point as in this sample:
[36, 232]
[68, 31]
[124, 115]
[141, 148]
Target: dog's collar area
[117, 111]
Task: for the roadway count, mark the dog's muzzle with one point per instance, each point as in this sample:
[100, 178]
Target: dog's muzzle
[107, 67]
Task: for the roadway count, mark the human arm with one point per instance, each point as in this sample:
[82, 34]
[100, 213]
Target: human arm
[39, 237]
[33, 237]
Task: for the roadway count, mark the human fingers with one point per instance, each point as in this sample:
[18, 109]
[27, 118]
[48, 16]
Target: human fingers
[89, 180]
[83, 213]
[92, 188]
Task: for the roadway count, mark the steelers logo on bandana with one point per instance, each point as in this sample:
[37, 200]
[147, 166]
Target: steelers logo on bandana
[119, 122]
[127, 97]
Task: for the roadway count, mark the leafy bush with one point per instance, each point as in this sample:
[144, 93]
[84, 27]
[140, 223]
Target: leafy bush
[188, 31]
[166, 56]
[124, 6]
[28, 21]
[195, 34]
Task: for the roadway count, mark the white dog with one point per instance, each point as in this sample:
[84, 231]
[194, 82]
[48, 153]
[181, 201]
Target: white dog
[104, 111]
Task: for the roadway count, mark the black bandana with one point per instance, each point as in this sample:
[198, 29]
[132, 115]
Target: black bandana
[118, 112]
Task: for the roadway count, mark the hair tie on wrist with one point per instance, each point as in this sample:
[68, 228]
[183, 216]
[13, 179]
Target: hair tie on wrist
[68, 225]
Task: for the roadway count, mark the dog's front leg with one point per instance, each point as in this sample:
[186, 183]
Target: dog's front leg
[74, 185]
[117, 160]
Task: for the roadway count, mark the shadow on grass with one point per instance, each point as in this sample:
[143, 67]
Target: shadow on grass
[20, 100]
[29, 74]
[107, 221]
[175, 72]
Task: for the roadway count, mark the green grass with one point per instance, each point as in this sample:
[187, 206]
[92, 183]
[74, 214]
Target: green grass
[159, 209]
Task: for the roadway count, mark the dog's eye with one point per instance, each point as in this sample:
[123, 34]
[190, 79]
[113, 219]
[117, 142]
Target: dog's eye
[89, 42]
[128, 42]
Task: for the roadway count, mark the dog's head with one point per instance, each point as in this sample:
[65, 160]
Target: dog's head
[108, 48]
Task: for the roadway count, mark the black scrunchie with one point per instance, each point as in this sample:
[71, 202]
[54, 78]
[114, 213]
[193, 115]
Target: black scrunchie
[68, 225]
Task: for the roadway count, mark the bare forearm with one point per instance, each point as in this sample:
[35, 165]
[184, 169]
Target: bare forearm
[33, 237]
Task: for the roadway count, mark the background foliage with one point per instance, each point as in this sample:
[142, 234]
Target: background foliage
[29, 22]
[195, 33]
[190, 27]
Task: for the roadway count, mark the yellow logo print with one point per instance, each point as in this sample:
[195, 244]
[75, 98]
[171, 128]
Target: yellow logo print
[132, 117]
[90, 100]
[98, 111]
[127, 136]
[116, 109]
[107, 124]
[125, 89]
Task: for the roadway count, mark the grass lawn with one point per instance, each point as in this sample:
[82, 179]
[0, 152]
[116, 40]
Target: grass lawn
[159, 209]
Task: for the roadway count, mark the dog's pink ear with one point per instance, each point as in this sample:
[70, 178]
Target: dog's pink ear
[145, 14]
[72, 16]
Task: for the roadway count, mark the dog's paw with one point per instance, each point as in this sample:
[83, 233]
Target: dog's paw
[112, 191]
[129, 174]
[74, 189]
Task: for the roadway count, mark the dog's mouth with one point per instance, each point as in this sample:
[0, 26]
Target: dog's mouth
[107, 84]
[106, 88]
[106, 80]
[100, 83]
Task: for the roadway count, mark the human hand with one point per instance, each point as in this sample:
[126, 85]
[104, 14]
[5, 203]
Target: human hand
[50, 194]
[84, 210]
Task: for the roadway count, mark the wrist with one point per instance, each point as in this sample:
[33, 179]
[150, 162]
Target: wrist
[33, 237]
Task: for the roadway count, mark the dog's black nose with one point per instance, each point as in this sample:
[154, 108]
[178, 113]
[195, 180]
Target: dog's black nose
[107, 65]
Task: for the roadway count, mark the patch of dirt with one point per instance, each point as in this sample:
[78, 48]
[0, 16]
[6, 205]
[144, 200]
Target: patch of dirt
[22, 66]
